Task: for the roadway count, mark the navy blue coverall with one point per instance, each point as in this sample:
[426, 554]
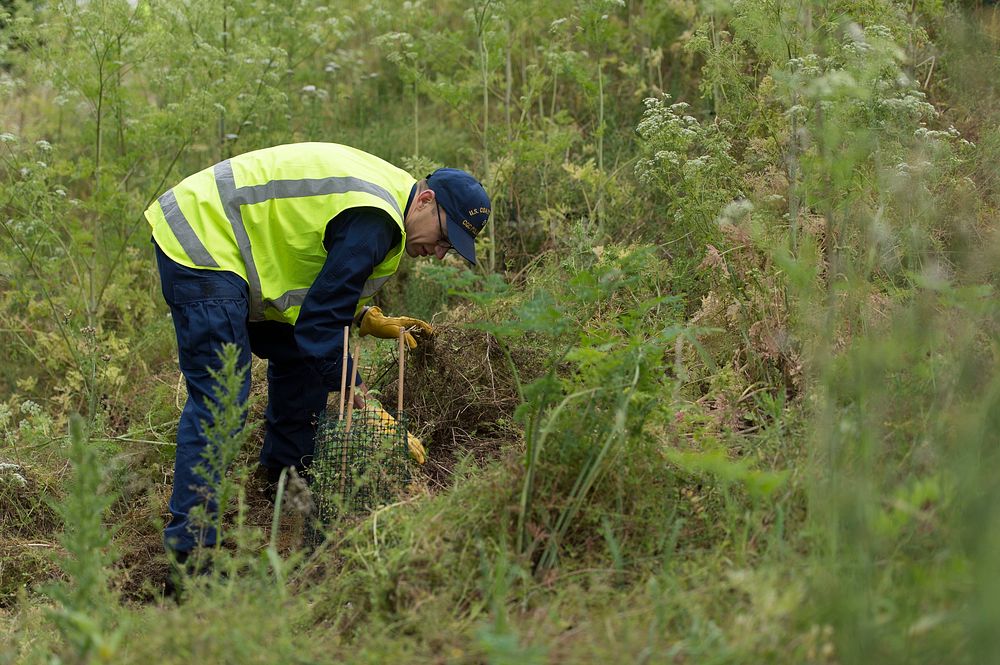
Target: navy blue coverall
[210, 308]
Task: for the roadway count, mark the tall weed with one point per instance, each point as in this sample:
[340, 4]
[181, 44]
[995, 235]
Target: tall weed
[86, 612]
[225, 436]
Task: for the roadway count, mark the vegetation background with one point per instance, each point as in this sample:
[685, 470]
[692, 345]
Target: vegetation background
[723, 389]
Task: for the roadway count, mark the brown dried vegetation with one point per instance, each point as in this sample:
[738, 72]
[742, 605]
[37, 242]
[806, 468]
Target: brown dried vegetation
[461, 392]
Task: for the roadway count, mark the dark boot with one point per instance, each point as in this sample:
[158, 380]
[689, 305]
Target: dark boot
[183, 566]
[266, 480]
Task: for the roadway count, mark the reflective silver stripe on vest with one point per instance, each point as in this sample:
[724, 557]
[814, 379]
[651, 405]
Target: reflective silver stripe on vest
[233, 197]
[296, 297]
[181, 227]
[288, 189]
[288, 299]
[226, 183]
[373, 285]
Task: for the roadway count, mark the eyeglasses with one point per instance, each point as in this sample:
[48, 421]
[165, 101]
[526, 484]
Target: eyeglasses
[444, 242]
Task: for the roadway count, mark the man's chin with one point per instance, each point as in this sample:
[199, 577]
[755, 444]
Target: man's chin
[412, 253]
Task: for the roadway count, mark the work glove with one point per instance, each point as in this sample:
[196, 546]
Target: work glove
[387, 327]
[416, 448]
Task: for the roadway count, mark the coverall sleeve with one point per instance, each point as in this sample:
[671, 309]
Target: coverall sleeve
[356, 240]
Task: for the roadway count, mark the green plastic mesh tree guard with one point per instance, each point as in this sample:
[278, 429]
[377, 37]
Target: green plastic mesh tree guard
[354, 472]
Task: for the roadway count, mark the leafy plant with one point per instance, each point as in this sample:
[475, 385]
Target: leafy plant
[85, 614]
[225, 436]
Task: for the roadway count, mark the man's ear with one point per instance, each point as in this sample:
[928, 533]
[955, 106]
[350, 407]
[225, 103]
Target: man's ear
[426, 196]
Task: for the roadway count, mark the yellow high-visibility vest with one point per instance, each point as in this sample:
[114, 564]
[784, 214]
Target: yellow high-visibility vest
[263, 215]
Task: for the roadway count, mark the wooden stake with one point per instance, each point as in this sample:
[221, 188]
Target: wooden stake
[354, 373]
[343, 370]
[345, 440]
[402, 356]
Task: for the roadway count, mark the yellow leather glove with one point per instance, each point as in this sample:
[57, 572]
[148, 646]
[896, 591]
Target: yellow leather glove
[416, 448]
[388, 327]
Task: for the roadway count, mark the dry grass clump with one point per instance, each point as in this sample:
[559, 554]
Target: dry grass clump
[24, 564]
[460, 395]
[28, 525]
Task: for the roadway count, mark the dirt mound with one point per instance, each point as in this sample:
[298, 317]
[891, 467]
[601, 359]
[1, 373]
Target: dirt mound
[459, 395]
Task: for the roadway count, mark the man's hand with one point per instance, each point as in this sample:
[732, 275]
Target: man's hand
[388, 327]
[333, 400]
[360, 393]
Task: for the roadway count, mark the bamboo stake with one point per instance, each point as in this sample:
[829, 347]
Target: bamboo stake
[343, 370]
[354, 373]
[345, 437]
[399, 396]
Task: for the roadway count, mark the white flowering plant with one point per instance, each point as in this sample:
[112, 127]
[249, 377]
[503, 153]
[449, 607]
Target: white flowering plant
[688, 162]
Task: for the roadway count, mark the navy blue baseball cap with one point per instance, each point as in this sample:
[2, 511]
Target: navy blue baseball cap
[466, 205]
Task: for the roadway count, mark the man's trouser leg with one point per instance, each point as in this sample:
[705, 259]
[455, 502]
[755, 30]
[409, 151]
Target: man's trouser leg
[296, 397]
[209, 308]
